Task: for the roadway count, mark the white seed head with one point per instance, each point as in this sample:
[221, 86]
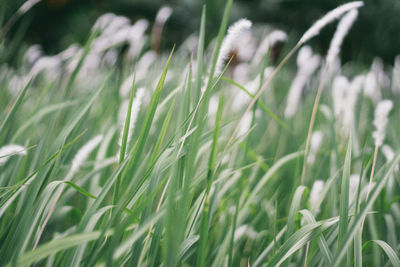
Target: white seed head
[316, 141]
[307, 63]
[163, 14]
[328, 18]
[341, 31]
[388, 152]
[9, 150]
[136, 103]
[339, 90]
[315, 195]
[245, 124]
[83, 153]
[269, 41]
[351, 101]
[234, 33]
[380, 121]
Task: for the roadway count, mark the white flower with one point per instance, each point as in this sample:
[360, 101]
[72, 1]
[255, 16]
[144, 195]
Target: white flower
[234, 33]
[136, 103]
[351, 101]
[246, 123]
[83, 153]
[269, 41]
[163, 14]
[316, 141]
[339, 94]
[9, 150]
[328, 18]
[307, 64]
[315, 195]
[381, 119]
[342, 29]
[396, 76]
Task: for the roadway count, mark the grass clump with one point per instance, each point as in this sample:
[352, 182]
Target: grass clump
[116, 154]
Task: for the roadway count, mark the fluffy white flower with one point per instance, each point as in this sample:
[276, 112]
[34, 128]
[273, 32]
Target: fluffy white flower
[83, 153]
[234, 33]
[342, 29]
[315, 195]
[269, 41]
[136, 103]
[316, 141]
[307, 63]
[9, 150]
[328, 18]
[380, 121]
[163, 14]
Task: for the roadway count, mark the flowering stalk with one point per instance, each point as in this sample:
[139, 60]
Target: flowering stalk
[234, 33]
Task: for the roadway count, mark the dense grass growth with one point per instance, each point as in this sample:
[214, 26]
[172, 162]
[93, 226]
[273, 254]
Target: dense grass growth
[112, 154]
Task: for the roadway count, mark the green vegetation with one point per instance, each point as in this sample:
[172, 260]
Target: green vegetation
[129, 157]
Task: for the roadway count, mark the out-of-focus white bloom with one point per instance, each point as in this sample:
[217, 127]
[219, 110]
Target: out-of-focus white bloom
[241, 73]
[351, 101]
[126, 86]
[341, 31]
[50, 65]
[380, 121]
[396, 76]
[316, 141]
[70, 52]
[371, 88]
[339, 94]
[241, 98]
[110, 57]
[375, 80]
[315, 195]
[213, 106]
[163, 14]
[269, 41]
[137, 38]
[234, 33]
[245, 124]
[9, 150]
[388, 152]
[377, 68]
[328, 18]
[33, 53]
[136, 103]
[144, 64]
[83, 153]
[307, 63]
[245, 230]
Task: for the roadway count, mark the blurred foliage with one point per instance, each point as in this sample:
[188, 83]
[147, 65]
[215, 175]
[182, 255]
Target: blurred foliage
[56, 23]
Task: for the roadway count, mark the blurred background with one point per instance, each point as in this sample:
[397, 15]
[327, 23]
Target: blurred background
[55, 24]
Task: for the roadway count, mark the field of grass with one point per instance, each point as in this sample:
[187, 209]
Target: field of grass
[113, 154]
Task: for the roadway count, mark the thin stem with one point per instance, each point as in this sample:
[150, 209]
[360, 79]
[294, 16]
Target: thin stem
[312, 121]
[370, 180]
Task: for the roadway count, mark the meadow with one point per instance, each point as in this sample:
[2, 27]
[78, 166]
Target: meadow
[251, 151]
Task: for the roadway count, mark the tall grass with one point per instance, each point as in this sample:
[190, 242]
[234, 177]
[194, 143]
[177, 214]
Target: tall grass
[212, 173]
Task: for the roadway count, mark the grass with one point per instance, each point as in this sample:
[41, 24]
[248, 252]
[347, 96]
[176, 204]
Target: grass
[192, 187]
